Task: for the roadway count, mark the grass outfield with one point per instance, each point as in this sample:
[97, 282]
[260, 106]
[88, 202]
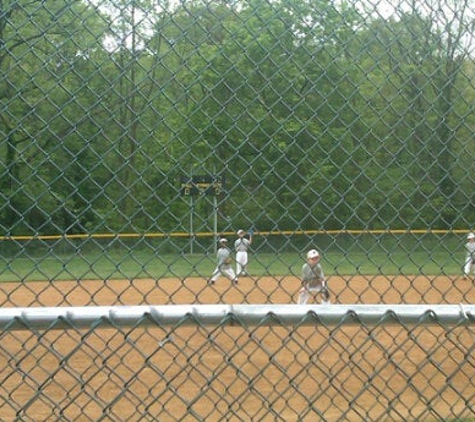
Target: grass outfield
[149, 265]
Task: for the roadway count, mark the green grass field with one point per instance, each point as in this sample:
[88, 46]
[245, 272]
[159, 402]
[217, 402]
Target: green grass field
[142, 264]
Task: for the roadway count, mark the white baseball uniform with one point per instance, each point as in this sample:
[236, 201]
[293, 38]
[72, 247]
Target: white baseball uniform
[313, 281]
[469, 265]
[241, 246]
[224, 265]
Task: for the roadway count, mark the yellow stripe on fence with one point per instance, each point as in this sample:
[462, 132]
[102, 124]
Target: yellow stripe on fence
[210, 234]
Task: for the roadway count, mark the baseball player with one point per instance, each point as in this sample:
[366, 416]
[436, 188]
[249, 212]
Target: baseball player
[224, 266]
[469, 265]
[313, 279]
[241, 246]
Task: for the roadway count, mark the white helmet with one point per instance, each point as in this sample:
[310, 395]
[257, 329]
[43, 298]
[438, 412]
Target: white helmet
[471, 236]
[312, 253]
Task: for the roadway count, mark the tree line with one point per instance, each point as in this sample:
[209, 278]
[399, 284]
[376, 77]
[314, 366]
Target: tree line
[318, 115]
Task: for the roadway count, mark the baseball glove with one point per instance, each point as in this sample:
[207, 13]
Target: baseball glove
[326, 294]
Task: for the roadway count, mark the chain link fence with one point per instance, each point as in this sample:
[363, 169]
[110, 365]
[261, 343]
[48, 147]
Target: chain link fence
[238, 363]
[135, 134]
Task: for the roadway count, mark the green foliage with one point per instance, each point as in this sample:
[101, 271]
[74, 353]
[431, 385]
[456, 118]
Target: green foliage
[318, 115]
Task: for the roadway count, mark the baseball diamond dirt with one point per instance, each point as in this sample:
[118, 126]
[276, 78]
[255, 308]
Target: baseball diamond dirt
[190, 373]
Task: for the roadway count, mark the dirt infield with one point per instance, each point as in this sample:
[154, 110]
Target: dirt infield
[237, 373]
[346, 290]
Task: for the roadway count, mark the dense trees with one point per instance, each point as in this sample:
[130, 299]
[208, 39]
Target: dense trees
[318, 115]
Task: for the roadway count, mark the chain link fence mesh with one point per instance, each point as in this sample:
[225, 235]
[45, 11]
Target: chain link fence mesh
[231, 367]
[135, 134]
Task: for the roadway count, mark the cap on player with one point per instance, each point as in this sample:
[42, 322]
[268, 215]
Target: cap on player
[240, 232]
[223, 240]
[312, 253]
[471, 236]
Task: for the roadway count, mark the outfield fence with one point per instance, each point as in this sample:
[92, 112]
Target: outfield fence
[238, 363]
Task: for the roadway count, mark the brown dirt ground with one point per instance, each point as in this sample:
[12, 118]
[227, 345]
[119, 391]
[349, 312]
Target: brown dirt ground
[269, 374]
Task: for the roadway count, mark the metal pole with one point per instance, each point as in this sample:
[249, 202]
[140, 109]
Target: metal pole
[192, 229]
[215, 225]
[244, 315]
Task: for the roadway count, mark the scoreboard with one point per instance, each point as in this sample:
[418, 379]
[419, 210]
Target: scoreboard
[201, 185]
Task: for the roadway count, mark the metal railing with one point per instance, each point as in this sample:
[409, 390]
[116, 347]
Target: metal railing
[238, 362]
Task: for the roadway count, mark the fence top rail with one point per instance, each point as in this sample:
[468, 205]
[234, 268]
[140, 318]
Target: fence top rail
[234, 315]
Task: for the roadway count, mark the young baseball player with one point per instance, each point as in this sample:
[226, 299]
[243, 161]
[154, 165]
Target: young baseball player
[313, 279]
[241, 246]
[224, 266]
[469, 265]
